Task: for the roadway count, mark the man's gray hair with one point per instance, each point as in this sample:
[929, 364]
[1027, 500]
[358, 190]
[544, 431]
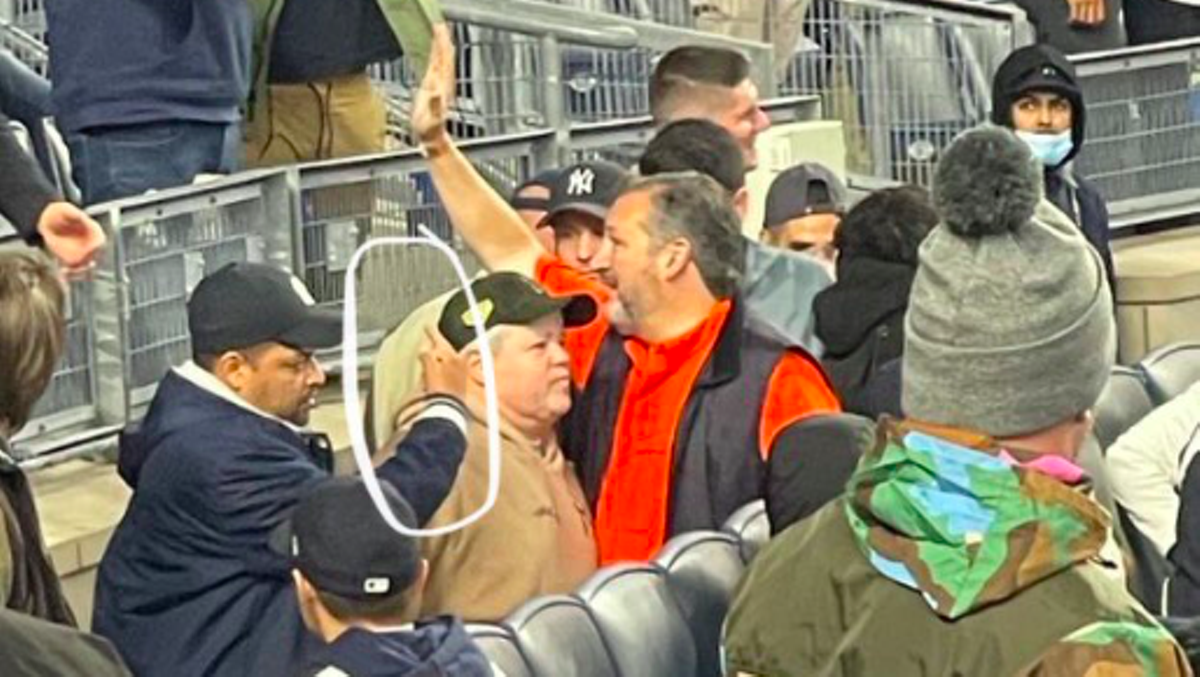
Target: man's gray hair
[696, 208]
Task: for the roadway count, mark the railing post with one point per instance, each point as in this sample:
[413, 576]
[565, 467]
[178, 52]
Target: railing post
[555, 152]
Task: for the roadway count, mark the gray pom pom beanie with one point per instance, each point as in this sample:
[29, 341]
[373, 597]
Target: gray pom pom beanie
[1009, 328]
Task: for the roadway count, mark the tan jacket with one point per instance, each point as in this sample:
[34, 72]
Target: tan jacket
[536, 540]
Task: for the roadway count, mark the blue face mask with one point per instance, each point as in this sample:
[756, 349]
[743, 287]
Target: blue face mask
[1051, 149]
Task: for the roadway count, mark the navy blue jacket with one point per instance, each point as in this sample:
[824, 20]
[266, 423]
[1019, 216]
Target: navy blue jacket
[1080, 200]
[438, 647]
[189, 585]
[123, 62]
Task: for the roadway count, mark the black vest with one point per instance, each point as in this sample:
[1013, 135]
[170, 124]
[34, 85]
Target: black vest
[717, 464]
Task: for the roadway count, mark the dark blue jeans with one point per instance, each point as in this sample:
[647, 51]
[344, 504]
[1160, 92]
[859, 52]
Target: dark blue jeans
[115, 162]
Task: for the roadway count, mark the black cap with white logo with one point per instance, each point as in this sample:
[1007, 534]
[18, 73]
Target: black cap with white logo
[339, 541]
[587, 187]
[245, 304]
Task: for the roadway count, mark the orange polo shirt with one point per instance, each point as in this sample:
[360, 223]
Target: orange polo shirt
[631, 514]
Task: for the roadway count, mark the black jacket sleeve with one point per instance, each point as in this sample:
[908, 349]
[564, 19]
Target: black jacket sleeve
[425, 465]
[1183, 597]
[810, 463]
[24, 190]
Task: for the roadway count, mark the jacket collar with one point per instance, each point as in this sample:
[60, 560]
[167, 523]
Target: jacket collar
[725, 363]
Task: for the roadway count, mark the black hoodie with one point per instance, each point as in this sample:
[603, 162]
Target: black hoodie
[1043, 68]
[860, 319]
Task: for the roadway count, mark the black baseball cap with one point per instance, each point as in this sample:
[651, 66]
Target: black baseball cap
[587, 187]
[541, 180]
[513, 299]
[339, 541]
[245, 304]
[804, 190]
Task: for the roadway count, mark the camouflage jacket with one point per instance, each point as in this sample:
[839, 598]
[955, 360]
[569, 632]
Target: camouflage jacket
[943, 559]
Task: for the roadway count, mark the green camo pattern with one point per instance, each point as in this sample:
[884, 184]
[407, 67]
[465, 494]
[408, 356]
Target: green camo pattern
[965, 527]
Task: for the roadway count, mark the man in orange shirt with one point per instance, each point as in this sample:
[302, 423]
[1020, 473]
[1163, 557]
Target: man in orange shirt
[681, 394]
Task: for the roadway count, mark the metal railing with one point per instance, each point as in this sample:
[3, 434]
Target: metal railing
[1143, 129]
[904, 78]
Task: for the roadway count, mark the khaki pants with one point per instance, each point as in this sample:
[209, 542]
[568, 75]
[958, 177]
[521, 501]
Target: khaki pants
[779, 22]
[334, 118]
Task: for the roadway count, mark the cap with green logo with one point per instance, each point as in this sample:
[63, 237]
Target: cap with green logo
[509, 299]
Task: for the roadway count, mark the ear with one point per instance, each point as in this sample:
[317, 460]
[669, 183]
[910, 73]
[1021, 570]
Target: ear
[741, 203]
[232, 368]
[674, 258]
[475, 366]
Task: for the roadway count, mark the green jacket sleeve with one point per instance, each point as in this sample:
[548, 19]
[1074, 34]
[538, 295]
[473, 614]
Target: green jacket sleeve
[1116, 648]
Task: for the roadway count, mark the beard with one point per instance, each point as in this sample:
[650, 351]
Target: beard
[619, 315]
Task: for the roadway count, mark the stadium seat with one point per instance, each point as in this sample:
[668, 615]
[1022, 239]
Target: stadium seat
[1150, 568]
[500, 646]
[703, 568]
[811, 463]
[559, 638]
[1124, 402]
[1170, 370]
[751, 527]
[640, 621]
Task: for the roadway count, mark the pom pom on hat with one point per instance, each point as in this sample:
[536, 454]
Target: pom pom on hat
[987, 183]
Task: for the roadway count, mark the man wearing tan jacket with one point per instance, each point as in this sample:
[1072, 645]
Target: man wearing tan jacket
[537, 539]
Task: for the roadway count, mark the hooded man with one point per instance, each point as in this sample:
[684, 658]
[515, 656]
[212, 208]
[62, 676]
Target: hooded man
[966, 542]
[1035, 93]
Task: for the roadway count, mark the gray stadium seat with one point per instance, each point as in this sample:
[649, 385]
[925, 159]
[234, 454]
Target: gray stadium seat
[750, 525]
[559, 638]
[500, 646]
[703, 568]
[1170, 370]
[640, 621]
[1124, 402]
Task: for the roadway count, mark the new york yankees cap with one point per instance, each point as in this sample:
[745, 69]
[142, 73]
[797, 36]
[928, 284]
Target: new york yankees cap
[587, 187]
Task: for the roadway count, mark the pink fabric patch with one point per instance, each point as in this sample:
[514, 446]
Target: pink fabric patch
[1057, 467]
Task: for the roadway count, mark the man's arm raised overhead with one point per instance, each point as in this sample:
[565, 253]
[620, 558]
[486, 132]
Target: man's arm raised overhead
[486, 222]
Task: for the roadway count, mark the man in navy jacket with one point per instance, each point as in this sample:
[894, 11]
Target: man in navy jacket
[189, 584]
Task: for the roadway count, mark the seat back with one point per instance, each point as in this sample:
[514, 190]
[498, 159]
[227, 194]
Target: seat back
[703, 568]
[500, 646]
[1150, 568]
[811, 461]
[640, 621]
[1170, 370]
[750, 525]
[559, 638]
[1124, 401]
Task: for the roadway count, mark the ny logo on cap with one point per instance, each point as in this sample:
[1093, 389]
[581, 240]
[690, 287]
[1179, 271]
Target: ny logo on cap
[1050, 71]
[582, 182]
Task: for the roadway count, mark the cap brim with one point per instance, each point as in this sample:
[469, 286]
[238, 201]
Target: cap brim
[1045, 83]
[320, 329]
[581, 207]
[576, 310]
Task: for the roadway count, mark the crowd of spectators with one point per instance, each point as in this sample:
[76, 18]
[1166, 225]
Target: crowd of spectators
[652, 365]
